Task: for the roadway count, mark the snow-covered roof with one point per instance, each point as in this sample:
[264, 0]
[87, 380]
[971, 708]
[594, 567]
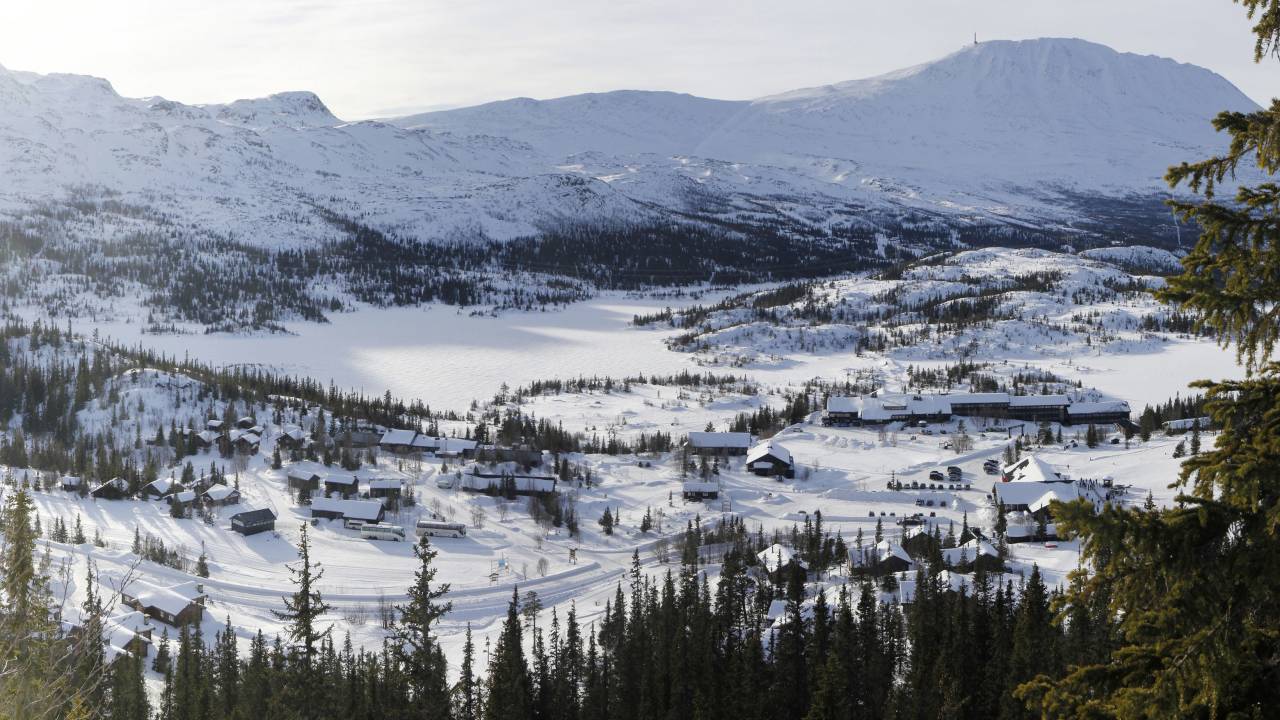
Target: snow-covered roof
[254, 516]
[988, 398]
[886, 550]
[213, 424]
[340, 479]
[294, 433]
[70, 481]
[703, 439]
[700, 486]
[185, 496]
[398, 437]
[1039, 401]
[1031, 469]
[171, 599]
[843, 404]
[219, 491]
[208, 436]
[250, 438]
[1101, 406]
[162, 485]
[357, 509]
[769, 447]
[776, 556]
[384, 484]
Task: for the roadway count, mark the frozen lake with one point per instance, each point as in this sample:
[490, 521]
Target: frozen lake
[447, 358]
[435, 353]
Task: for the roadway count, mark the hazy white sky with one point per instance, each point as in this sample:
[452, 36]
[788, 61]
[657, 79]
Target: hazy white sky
[368, 58]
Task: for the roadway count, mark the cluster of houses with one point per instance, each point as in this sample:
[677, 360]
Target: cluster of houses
[245, 436]
[766, 458]
[883, 408]
[314, 478]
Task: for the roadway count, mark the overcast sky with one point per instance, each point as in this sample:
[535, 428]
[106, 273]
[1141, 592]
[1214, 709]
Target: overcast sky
[371, 58]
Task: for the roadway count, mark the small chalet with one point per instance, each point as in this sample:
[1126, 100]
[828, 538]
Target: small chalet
[973, 553]
[775, 557]
[700, 490]
[207, 438]
[370, 511]
[385, 488]
[175, 605]
[245, 423]
[214, 425]
[114, 489]
[185, 498]
[70, 483]
[219, 494]
[892, 558]
[160, 489]
[127, 633]
[300, 479]
[252, 522]
[770, 459]
[245, 441]
[341, 485]
[720, 443]
[292, 438]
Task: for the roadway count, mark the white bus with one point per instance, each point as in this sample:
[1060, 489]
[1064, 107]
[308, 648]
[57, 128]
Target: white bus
[382, 531]
[442, 529]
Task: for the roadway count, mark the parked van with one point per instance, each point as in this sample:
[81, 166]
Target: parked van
[436, 528]
[352, 523]
[382, 531]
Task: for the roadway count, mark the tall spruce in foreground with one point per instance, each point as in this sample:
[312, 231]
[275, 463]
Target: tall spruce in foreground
[1196, 587]
[301, 616]
[37, 677]
[510, 693]
[420, 653]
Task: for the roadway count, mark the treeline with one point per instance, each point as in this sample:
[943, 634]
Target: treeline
[1176, 408]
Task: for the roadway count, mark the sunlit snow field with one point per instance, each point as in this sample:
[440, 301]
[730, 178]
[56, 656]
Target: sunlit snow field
[447, 358]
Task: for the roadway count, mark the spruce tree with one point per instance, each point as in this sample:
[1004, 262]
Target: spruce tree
[510, 695]
[1196, 586]
[467, 691]
[413, 632]
[301, 617]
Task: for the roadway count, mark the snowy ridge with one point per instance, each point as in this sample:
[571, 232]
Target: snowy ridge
[1026, 134]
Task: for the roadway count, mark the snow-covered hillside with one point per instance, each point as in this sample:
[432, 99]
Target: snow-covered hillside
[988, 304]
[997, 131]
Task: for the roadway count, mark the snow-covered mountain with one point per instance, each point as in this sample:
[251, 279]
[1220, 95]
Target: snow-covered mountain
[995, 132]
[998, 129]
[1042, 142]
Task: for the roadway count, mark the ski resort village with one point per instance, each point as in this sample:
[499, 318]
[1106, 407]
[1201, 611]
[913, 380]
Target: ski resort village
[945, 393]
[185, 490]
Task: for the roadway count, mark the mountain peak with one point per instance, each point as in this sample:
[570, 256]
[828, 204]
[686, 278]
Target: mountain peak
[292, 109]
